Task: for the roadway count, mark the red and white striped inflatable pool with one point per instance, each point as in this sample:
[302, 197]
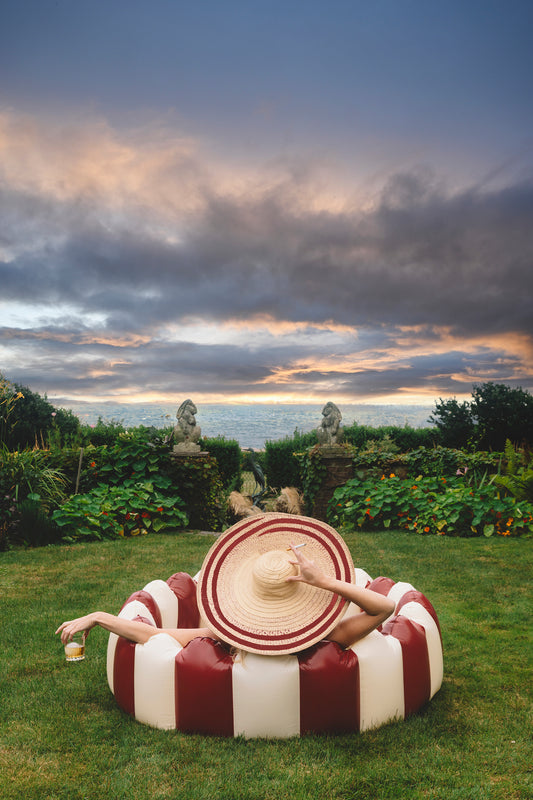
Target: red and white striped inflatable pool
[203, 688]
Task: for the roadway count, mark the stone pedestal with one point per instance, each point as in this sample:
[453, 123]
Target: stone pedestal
[340, 469]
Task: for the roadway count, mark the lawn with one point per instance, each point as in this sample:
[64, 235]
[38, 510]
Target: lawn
[63, 736]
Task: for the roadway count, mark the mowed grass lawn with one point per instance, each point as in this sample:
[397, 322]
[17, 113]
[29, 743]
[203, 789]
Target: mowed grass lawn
[63, 736]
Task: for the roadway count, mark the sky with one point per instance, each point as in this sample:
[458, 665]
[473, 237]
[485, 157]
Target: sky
[252, 201]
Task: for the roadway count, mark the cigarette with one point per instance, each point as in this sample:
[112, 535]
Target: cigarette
[296, 547]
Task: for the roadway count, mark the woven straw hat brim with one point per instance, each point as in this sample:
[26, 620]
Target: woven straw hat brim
[298, 615]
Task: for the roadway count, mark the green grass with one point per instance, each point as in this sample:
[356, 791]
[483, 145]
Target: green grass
[63, 736]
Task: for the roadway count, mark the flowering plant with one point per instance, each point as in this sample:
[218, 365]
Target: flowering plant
[430, 505]
[110, 511]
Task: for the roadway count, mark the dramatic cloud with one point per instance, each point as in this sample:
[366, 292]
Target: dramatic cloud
[134, 265]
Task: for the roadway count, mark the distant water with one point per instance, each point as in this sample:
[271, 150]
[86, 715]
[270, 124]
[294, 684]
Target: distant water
[252, 425]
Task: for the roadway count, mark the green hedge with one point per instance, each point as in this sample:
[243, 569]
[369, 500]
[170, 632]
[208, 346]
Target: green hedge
[405, 438]
[280, 463]
[229, 458]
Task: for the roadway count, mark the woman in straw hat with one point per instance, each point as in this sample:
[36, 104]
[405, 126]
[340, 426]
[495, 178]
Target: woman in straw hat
[272, 584]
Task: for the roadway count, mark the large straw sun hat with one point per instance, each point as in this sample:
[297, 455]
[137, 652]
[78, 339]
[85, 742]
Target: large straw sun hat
[243, 594]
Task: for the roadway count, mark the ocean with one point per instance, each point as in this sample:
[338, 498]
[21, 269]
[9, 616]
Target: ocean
[254, 424]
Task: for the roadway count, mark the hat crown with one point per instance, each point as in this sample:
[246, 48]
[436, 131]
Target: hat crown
[270, 572]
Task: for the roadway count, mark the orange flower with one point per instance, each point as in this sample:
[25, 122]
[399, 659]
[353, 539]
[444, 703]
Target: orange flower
[426, 529]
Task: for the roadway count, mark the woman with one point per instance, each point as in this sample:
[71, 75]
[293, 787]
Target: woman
[257, 584]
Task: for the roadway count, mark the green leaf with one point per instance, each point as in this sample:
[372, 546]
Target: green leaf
[488, 530]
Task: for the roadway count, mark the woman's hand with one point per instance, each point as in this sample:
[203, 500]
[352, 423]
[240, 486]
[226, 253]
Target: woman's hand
[309, 572]
[71, 627]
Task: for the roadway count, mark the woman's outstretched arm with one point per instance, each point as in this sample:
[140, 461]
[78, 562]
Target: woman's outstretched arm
[375, 608]
[134, 630]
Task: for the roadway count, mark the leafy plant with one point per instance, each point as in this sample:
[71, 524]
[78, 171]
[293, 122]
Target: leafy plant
[430, 505]
[109, 511]
[26, 472]
[377, 455]
[313, 471]
[199, 485]
[26, 476]
[518, 477]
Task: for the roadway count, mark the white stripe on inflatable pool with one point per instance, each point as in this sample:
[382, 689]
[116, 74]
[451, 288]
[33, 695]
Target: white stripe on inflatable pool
[361, 577]
[418, 613]
[381, 679]
[166, 601]
[266, 696]
[154, 681]
[398, 590]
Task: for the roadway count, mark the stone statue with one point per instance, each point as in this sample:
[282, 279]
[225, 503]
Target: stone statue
[186, 433]
[329, 431]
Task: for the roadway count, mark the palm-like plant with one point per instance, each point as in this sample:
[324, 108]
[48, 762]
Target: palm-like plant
[518, 477]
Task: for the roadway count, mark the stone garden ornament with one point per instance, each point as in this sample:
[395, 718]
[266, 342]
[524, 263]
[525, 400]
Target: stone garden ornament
[329, 431]
[186, 433]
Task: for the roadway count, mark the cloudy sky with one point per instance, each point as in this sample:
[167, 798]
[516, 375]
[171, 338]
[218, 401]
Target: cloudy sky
[263, 200]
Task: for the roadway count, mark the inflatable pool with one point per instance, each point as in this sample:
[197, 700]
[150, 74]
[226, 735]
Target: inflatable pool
[207, 688]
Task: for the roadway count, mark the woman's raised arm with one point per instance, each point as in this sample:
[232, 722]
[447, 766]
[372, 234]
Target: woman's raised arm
[375, 608]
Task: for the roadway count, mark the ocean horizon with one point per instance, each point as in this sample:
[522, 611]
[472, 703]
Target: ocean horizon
[253, 424]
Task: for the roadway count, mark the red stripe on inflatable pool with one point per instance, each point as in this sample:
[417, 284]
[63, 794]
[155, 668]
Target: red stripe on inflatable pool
[329, 690]
[147, 600]
[124, 675]
[415, 657]
[203, 688]
[417, 597]
[381, 585]
[184, 588]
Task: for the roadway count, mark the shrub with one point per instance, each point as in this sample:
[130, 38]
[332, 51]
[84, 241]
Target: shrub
[406, 438]
[105, 432]
[229, 459]
[32, 526]
[497, 412]
[110, 511]
[26, 476]
[313, 470]
[446, 461]
[454, 422]
[199, 485]
[280, 462]
[377, 455]
[430, 505]
[518, 477]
